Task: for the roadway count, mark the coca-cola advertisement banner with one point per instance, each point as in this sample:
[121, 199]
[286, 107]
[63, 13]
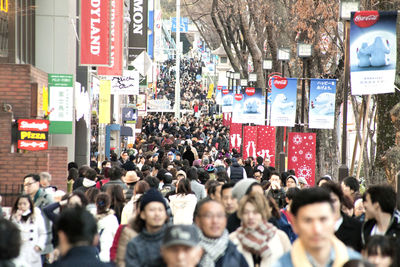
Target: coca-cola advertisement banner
[227, 99]
[283, 97]
[117, 12]
[137, 28]
[95, 32]
[250, 142]
[249, 106]
[372, 52]
[259, 141]
[301, 155]
[322, 104]
[226, 118]
[235, 137]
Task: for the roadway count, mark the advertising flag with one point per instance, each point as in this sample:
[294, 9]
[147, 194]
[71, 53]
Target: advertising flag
[137, 28]
[226, 118]
[301, 155]
[266, 143]
[322, 104]
[127, 84]
[283, 97]
[249, 107]
[115, 68]
[235, 137]
[105, 101]
[372, 52]
[250, 142]
[95, 33]
[227, 99]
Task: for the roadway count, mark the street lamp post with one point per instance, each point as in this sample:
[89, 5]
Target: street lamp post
[304, 51]
[252, 78]
[346, 7]
[283, 55]
[267, 65]
[236, 76]
[228, 75]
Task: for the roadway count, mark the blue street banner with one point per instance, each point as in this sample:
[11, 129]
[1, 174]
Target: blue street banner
[249, 106]
[322, 104]
[283, 97]
[184, 25]
[372, 52]
[227, 99]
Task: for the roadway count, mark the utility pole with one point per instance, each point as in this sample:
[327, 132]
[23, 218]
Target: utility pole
[178, 61]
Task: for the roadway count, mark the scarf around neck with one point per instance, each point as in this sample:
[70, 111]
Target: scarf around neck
[256, 240]
[215, 248]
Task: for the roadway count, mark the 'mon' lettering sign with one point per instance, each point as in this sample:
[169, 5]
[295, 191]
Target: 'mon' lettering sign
[33, 134]
[95, 32]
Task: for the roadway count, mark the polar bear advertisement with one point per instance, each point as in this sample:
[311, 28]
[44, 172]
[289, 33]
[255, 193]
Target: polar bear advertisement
[323, 104]
[281, 106]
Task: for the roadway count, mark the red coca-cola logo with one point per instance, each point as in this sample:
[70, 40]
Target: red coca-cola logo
[250, 91]
[280, 82]
[271, 77]
[238, 97]
[225, 91]
[364, 19]
[219, 88]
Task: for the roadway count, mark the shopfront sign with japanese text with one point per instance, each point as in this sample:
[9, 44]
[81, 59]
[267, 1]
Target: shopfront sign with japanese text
[33, 134]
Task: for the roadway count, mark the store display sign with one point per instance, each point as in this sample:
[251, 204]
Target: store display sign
[33, 134]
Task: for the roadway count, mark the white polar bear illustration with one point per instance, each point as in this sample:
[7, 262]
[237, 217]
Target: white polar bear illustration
[227, 100]
[323, 104]
[379, 52]
[252, 105]
[281, 106]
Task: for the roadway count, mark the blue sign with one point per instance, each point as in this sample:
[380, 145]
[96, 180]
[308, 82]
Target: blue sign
[283, 96]
[322, 104]
[184, 25]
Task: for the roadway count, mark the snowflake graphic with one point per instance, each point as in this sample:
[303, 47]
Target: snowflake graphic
[301, 152]
[310, 137]
[294, 159]
[304, 171]
[309, 156]
[297, 139]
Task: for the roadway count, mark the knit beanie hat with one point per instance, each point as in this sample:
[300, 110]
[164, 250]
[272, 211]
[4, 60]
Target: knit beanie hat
[294, 178]
[152, 195]
[241, 187]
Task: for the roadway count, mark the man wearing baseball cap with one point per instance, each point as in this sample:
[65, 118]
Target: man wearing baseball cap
[181, 247]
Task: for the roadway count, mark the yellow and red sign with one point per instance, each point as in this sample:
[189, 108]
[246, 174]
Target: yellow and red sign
[33, 134]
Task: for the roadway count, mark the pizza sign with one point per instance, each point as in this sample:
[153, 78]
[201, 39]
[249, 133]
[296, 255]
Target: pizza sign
[33, 134]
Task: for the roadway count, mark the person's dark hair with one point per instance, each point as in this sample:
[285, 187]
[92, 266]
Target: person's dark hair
[72, 164]
[91, 194]
[10, 241]
[200, 204]
[384, 195]
[73, 174]
[324, 178]
[203, 176]
[227, 186]
[115, 173]
[82, 197]
[191, 173]
[78, 224]
[347, 202]
[184, 187]
[211, 187]
[91, 174]
[310, 196]
[274, 207]
[82, 170]
[141, 187]
[334, 188]
[31, 205]
[358, 263]
[35, 176]
[222, 176]
[259, 160]
[291, 192]
[103, 202]
[379, 244]
[352, 183]
[152, 181]
[117, 197]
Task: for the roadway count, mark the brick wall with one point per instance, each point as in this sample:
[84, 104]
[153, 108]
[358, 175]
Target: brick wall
[16, 90]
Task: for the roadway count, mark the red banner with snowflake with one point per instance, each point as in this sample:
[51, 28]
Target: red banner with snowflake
[301, 155]
[235, 136]
[226, 118]
[266, 143]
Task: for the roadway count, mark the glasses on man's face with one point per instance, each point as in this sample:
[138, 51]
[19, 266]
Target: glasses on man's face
[257, 176]
[29, 184]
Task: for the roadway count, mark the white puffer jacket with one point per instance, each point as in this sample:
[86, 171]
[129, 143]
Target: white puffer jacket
[107, 226]
[182, 207]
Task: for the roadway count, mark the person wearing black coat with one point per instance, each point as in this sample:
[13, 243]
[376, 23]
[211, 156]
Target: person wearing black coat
[349, 232]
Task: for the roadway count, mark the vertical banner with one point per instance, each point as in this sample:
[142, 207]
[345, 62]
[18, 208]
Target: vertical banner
[105, 101]
[137, 28]
[127, 84]
[117, 12]
[226, 118]
[150, 38]
[301, 155]
[372, 52]
[249, 107]
[235, 137]
[61, 103]
[218, 95]
[266, 143]
[227, 99]
[95, 32]
[322, 104]
[250, 142]
[283, 97]
[210, 91]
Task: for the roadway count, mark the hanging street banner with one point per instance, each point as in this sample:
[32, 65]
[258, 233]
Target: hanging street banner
[259, 141]
[117, 16]
[129, 115]
[137, 28]
[301, 155]
[227, 99]
[226, 118]
[322, 104]
[373, 52]
[235, 136]
[250, 142]
[105, 101]
[33, 134]
[184, 25]
[218, 95]
[127, 84]
[283, 97]
[95, 32]
[249, 107]
[61, 103]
